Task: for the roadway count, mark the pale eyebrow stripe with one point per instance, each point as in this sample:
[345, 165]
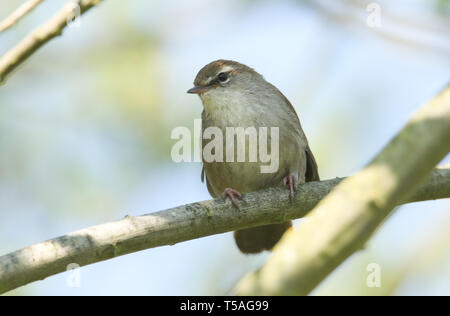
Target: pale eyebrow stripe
[225, 69]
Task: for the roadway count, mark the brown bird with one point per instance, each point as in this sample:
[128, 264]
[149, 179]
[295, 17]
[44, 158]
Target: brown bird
[235, 95]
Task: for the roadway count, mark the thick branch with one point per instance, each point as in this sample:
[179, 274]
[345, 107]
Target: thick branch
[49, 30]
[343, 222]
[174, 225]
[18, 14]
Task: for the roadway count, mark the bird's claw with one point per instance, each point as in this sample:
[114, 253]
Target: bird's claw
[292, 183]
[231, 194]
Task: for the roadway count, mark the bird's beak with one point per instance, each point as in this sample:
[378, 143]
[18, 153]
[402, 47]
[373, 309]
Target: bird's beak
[198, 89]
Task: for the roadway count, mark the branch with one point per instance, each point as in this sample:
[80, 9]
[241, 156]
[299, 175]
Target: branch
[343, 222]
[41, 35]
[175, 225]
[18, 14]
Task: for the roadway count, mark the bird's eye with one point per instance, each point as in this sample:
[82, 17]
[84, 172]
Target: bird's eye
[222, 77]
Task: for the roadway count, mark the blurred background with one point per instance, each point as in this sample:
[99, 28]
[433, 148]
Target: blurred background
[85, 129]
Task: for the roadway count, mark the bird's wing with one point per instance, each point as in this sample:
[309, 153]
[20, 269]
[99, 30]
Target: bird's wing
[203, 174]
[312, 173]
[203, 177]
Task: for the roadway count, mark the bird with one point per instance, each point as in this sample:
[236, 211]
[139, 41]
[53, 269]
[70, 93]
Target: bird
[235, 95]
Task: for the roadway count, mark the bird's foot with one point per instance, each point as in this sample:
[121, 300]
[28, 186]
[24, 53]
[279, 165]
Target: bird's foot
[291, 181]
[231, 194]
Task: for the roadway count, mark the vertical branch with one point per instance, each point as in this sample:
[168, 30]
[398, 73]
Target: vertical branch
[341, 223]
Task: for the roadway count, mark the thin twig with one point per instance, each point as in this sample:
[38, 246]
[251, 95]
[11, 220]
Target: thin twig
[41, 35]
[18, 14]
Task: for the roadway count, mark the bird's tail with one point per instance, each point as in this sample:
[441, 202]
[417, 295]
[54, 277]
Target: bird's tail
[257, 239]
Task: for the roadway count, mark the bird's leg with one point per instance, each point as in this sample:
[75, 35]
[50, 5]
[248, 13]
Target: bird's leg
[291, 181]
[231, 194]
